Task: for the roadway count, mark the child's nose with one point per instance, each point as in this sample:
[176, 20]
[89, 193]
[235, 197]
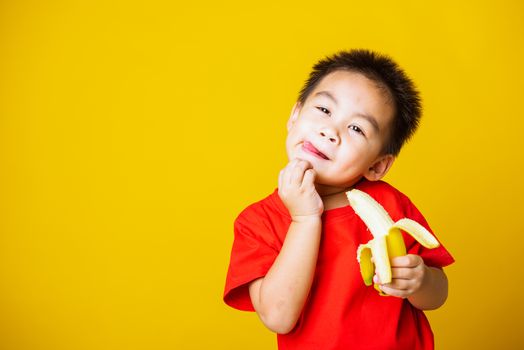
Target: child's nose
[330, 135]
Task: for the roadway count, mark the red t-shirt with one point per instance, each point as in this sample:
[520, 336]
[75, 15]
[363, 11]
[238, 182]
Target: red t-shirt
[341, 312]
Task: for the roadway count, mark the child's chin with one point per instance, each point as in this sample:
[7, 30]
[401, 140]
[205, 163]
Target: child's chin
[315, 162]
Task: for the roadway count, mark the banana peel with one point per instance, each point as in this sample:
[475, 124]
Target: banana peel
[374, 256]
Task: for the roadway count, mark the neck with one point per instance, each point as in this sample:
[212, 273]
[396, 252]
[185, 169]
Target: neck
[333, 197]
[328, 191]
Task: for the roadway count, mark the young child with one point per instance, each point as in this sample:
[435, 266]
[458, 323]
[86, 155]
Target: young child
[293, 259]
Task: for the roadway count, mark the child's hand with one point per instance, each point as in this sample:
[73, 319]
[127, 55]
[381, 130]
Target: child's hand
[296, 188]
[408, 274]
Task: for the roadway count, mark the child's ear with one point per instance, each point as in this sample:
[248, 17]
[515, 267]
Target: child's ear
[294, 115]
[380, 167]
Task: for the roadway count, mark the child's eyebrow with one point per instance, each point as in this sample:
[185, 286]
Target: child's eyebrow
[328, 95]
[372, 120]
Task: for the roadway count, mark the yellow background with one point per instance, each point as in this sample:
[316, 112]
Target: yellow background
[133, 133]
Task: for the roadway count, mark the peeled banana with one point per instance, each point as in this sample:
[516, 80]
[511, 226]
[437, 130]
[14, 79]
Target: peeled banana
[387, 241]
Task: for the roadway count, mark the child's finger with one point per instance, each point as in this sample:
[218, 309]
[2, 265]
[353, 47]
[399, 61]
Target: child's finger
[410, 260]
[401, 273]
[309, 178]
[392, 291]
[297, 172]
[286, 175]
[398, 284]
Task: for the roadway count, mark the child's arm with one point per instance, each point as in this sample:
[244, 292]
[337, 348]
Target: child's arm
[280, 295]
[425, 287]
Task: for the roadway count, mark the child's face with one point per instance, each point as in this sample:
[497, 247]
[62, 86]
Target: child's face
[341, 129]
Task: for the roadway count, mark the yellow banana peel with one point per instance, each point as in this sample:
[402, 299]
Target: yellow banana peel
[374, 256]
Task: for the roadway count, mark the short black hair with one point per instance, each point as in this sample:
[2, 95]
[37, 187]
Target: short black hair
[386, 73]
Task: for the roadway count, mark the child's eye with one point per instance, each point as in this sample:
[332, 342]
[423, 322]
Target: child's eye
[324, 110]
[356, 129]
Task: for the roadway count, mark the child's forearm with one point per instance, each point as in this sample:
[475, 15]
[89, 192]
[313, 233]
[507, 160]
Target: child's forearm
[433, 292]
[280, 296]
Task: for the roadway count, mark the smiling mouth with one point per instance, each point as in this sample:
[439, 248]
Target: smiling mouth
[309, 148]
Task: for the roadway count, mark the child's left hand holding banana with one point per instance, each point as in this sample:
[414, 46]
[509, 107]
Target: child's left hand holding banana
[425, 287]
[408, 275]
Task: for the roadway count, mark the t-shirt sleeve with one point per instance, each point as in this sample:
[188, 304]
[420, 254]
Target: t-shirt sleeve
[435, 257]
[252, 255]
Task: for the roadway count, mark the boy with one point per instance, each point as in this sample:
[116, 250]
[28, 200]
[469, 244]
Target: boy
[294, 255]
